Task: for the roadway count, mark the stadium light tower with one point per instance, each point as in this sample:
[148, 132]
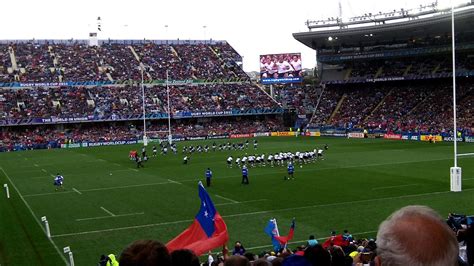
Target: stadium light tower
[145, 139]
[170, 137]
[455, 171]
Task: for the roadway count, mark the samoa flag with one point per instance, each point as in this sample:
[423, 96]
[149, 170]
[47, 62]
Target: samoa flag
[272, 230]
[208, 231]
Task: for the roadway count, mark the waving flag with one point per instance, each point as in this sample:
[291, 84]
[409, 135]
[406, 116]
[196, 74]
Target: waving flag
[337, 240]
[272, 231]
[208, 231]
[284, 239]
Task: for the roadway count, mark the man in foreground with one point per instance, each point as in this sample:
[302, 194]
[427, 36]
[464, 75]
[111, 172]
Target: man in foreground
[416, 235]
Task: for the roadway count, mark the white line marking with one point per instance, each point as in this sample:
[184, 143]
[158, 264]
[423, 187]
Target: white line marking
[304, 241]
[240, 202]
[133, 169]
[107, 211]
[117, 164]
[78, 192]
[44, 171]
[34, 216]
[36, 165]
[262, 212]
[407, 185]
[231, 200]
[174, 182]
[464, 179]
[104, 217]
[465, 154]
[98, 189]
[101, 160]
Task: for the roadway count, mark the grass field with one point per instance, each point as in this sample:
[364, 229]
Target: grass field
[108, 203]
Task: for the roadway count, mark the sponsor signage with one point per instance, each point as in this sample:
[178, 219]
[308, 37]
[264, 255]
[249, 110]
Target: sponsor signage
[469, 139]
[283, 134]
[392, 136]
[451, 139]
[356, 135]
[238, 136]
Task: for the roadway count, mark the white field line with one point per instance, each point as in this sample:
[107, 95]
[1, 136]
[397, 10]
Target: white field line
[105, 217]
[465, 154]
[133, 169]
[240, 202]
[36, 165]
[231, 200]
[107, 211]
[464, 179]
[260, 212]
[77, 191]
[306, 240]
[174, 182]
[34, 216]
[99, 189]
[406, 185]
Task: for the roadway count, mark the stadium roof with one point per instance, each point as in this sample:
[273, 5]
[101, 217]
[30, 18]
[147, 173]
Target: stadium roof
[439, 24]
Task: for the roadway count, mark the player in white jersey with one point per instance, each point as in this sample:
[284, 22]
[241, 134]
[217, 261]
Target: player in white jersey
[229, 161]
[237, 162]
[296, 64]
[283, 67]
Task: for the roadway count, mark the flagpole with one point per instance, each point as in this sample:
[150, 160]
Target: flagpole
[455, 172]
[276, 226]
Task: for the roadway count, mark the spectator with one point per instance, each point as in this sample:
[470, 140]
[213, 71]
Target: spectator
[184, 257]
[238, 249]
[145, 253]
[403, 233]
[237, 260]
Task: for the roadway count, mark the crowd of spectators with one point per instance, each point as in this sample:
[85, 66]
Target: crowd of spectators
[415, 107]
[398, 242]
[50, 136]
[74, 61]
[408, 68]
[105, 102]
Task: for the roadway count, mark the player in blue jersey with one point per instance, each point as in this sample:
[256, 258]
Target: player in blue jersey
[245, 175]
[208, 177]
[58, 181]
[291, 171]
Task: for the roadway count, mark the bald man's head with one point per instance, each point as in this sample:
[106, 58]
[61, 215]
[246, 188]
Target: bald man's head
[416, 235]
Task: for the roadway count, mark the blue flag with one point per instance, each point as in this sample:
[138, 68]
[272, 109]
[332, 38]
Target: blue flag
[272, 231]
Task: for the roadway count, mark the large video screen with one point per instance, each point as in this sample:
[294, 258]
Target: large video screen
[281, 68]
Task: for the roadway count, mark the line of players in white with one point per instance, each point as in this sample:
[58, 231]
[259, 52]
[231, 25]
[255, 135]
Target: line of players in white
[277, 159]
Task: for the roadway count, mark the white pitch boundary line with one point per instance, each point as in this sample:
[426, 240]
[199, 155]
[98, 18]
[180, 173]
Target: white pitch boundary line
[36, 165]
[261, 212]
[174, 182]
[465, 154]
[107, 211]
[304, 241]
[34, 215]
[78, 192]
[98, 189]
[406, 185]
[105, 217]
[44, 171]
[133, 169]
[231, 200]
[240, 202]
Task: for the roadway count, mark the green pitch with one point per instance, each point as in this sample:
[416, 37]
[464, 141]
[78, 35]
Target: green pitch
[108, 203]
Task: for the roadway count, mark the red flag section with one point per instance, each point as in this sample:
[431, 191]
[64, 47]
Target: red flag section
[336, 240]
[284, 239]
[208, 231]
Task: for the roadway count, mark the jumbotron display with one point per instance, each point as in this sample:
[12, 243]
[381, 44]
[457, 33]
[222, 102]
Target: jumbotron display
[280, 68]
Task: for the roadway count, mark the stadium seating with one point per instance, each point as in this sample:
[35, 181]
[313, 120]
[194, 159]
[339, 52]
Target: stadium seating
[52, 136]
[77, 61]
